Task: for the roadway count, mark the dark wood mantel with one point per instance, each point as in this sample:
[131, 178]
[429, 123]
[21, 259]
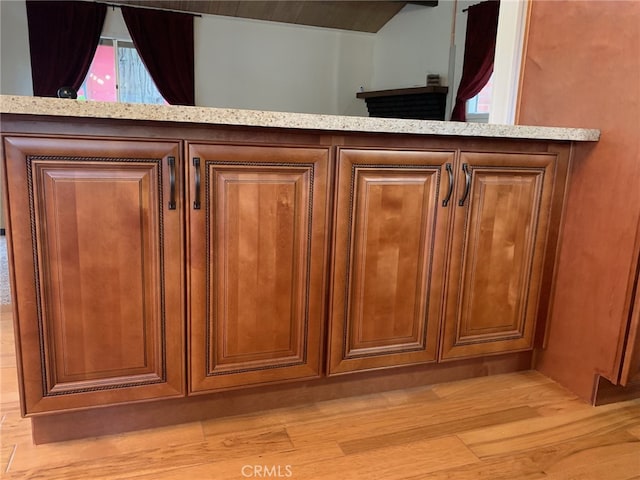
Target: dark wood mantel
[419, 103]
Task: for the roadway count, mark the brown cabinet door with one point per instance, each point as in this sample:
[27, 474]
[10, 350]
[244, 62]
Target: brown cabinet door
[97, 268]
[388, 258]
[497, 252]
[258, 251]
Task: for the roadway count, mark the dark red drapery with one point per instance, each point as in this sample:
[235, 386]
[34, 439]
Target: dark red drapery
[63, 37]
[479, 53]
[164, 41]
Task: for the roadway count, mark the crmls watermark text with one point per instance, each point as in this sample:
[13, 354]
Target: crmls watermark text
[266, 471]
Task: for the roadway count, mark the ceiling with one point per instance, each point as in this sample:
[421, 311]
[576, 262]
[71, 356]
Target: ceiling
[361, 16]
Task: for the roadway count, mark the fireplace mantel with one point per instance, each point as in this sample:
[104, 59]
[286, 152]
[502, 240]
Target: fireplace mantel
[418, 103]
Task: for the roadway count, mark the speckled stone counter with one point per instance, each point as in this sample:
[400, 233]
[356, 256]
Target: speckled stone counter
[306, 121]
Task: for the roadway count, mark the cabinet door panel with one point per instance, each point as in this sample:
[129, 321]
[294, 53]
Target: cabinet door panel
[94, 274]
[259, 248]
[388, 258]
[497, 254]
[99, 225]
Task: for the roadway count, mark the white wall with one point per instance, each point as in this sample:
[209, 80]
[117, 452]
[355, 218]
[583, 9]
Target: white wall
[354, 71]
[15, 65]
[412, 44]
[261, 65]
[114, 26]
[239, 63]
[242, 63]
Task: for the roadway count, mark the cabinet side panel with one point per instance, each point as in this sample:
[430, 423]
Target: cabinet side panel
[630, 374]
[589, 312]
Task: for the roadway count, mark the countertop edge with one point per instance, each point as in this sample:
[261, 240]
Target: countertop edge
[21, 105]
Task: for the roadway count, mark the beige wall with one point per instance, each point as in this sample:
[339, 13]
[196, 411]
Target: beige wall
[582, 69]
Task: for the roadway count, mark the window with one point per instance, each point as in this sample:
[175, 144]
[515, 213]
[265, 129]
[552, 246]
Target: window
[478, 106]
[117, 74]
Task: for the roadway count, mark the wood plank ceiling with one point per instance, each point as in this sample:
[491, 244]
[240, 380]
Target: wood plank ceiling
[361, 16]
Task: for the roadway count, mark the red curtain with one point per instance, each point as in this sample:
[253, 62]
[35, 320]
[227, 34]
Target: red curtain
[164, 41]
[479, 53]
[63, 37]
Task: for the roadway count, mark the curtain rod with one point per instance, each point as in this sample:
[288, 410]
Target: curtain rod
[465, 10]
[118, 5]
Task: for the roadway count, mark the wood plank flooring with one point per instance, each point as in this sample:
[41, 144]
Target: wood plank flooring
[514, 426]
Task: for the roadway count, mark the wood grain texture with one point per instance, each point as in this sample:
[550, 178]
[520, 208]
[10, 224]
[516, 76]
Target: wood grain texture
[497, 253]
[361, 16]
[248, 176]
[528, 434]
[441, 429]
[258, 261]
[468, 438]
[99, 290]
[130, 417]
[98, 264]
[388, 259]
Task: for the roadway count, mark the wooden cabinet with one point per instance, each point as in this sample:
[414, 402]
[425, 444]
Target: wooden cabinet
[401, 231]
[500, 225]
[388, 258]
[96, 243]
[258, 230]
[148, 269]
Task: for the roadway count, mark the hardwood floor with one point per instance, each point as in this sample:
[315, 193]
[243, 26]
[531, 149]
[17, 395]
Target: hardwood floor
[515, 426]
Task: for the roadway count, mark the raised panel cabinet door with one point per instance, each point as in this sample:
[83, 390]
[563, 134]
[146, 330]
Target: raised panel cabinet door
[392, 212]
[501, 219]
[96, 251]
[259, 221]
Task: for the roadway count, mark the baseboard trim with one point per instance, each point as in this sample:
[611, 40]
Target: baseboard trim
[139, 416]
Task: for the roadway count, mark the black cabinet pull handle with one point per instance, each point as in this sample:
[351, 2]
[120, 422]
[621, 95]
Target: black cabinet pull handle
[467, 185]
[196, 164]
[172, 182]
[445, 202]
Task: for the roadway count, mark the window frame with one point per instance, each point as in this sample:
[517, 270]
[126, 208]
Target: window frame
[472, 114]
[117, 43]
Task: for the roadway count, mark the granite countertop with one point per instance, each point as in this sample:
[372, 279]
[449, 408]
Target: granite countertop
[255, 118]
